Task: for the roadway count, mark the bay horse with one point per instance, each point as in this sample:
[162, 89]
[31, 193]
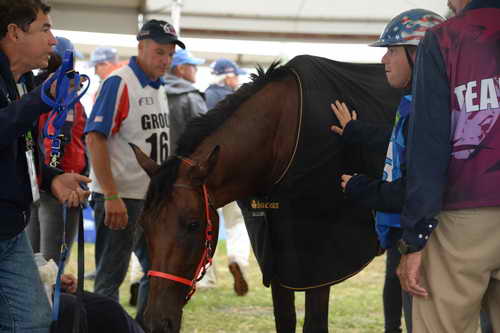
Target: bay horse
[248, 144]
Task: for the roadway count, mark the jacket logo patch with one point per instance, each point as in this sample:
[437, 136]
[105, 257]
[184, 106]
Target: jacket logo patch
[264, 205]
[478, 95]
[146, 101]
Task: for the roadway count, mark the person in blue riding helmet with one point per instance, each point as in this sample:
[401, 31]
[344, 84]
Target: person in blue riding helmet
[386, 196]
[46, 227]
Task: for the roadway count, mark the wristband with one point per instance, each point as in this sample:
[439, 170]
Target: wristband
[112, 197]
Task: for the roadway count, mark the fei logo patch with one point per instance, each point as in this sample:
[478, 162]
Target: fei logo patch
[146, 101]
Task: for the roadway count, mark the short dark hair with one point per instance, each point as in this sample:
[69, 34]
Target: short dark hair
[21, 13]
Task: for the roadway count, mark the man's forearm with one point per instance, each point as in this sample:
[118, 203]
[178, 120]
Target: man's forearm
[99, 158]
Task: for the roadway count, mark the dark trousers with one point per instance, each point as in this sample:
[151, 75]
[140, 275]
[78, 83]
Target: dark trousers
[45, 230]
[395, 299]
[113, 249]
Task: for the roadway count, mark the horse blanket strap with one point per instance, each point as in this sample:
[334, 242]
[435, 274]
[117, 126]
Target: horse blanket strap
[206, 258]
[65, 99]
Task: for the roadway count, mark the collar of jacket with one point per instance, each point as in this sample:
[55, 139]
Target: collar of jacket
[8, 78]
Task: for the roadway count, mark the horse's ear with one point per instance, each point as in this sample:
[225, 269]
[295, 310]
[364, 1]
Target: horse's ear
[144, 161]
[200, 173]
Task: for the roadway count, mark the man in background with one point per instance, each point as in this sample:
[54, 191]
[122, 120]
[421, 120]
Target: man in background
[226, 81]
[184, 100]
[105, 61]
[127, 104]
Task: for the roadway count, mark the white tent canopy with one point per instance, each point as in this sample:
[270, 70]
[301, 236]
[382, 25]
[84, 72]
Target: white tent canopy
[258, 19]
[283, 21]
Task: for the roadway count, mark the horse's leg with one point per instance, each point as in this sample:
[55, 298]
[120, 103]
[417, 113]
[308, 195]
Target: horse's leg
[316, 318]
[284, 308]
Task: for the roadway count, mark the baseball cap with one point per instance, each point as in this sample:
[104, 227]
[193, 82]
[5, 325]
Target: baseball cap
[103, 54]
[226, 66]
[64, 44]
[161, 32]
[182, 57]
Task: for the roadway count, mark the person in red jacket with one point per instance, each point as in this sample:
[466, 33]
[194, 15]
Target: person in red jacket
[45, 229]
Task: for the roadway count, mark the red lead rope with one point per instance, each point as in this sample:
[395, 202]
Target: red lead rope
[206, 258]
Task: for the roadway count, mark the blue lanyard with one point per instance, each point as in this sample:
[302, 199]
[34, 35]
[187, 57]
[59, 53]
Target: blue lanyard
[61, 264]
[63, 257]
[64, 101]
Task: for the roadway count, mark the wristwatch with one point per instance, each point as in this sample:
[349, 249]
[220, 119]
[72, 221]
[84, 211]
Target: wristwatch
[405, 248]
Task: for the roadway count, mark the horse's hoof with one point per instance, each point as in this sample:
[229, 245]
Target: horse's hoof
[240, 284]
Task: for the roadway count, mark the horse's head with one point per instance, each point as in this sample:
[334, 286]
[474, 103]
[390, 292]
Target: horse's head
[177, 219]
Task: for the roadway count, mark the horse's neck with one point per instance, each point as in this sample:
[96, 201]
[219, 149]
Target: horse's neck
[243, 158]
[256, 143]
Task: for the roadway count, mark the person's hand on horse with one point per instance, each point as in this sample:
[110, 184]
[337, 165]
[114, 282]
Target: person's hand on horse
[409, 273]
[344, 179]
[343, 115]
[66, 188]
[116, 216]
[69, 283]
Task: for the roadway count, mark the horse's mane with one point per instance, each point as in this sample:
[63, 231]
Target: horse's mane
[204, 125]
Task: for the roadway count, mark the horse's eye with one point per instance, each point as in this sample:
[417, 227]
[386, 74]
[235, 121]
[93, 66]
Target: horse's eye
[193, 226]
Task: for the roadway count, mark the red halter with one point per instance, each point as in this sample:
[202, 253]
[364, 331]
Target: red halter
[206, 258]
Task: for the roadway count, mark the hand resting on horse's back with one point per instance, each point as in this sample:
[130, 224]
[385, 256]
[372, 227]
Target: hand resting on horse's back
[344, 116]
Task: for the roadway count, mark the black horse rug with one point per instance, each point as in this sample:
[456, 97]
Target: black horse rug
[305, 233]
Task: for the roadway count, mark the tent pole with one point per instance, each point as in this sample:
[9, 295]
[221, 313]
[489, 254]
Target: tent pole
[176, 15]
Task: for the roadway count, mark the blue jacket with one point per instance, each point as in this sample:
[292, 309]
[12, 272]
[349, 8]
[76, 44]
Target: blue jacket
[385, 195]
[453, 140]
[215, 93]
[17, 117]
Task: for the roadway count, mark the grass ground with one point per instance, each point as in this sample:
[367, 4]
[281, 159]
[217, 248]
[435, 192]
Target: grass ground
[355, 305]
